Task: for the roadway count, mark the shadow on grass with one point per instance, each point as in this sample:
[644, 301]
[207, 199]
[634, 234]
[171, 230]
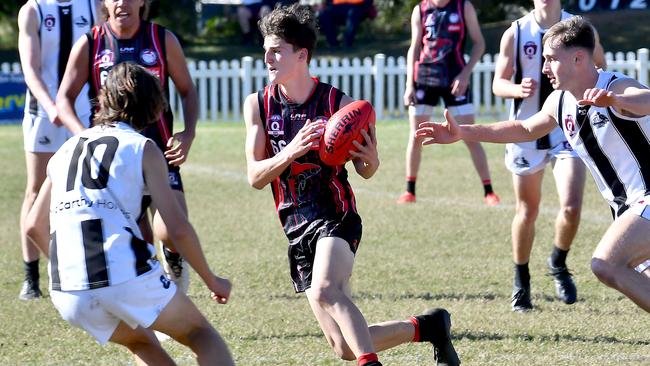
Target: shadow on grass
[486, 336]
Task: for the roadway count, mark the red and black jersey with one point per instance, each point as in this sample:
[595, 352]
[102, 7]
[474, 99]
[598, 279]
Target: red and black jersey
[443, 38]
[146, 48]
[308, 190]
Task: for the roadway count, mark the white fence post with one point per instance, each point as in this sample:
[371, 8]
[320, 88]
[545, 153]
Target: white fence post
[380, 73]
[247, 75]
[223, 86]
[642, 66]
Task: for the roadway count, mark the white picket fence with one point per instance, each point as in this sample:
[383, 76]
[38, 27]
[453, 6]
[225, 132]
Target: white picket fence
[222, 86]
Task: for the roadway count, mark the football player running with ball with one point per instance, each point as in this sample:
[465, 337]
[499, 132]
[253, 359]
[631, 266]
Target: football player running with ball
[315, 201]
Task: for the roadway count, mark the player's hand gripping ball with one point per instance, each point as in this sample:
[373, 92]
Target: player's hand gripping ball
[342, 129]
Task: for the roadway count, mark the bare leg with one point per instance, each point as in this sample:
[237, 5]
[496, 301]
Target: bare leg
[414, 146]
[182, 321]
[342, 323]
[36, 174]
[570, 182]
[625, 245]
[476, 150]
[143, 344]
[528, 193]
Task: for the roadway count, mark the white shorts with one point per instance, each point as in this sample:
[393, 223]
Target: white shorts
[523, 161]
[99, 311]
[427, 110]
[641, 207]
[41, 135]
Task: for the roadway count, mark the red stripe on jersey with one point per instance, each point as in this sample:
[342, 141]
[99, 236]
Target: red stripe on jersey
[162, 122]
[339, 195]
[95, 70]
[459, 45]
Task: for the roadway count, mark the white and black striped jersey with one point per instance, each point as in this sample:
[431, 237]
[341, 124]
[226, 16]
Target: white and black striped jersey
[615, 148]
[528, 63]
[61, 25]
[97, 189]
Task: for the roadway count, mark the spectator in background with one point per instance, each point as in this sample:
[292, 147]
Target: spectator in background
[248, 13]
[349, 12]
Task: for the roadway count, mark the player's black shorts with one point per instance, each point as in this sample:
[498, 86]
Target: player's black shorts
[174, 178]
[430, 95]
[302, 249]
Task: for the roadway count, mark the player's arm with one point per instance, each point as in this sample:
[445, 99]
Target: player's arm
[37, 222]
[181, 231]
[626, 95]
[411, 54]
[502, 85]
[76, 75]
[262, 169]
[461, 82]
[179, 73]
[29, 48]
[529, 129]
[599, 53]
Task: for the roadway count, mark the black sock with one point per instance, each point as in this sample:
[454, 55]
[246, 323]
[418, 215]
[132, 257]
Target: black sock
[410, 186]
[522, 275]
[171, 256]
[31, 271]
[558, 257]
[487, 188]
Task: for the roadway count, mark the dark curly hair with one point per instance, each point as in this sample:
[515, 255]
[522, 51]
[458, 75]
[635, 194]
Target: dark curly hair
[130, 94]
[296, 24]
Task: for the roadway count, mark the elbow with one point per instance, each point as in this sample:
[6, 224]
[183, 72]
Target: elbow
[255, 182]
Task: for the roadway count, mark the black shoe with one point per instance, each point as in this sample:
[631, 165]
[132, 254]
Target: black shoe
[521, 299]
[30, 291]
[564, 286]
[435, 327]
[173, 267]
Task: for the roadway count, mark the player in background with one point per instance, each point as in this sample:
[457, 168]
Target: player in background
[435, 69]
[128, 36]
[315, 202]
[518, 75]
[103, 275]
[47, 30]
[605, 117]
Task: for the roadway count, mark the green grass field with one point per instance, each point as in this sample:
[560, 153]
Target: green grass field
[448, 250]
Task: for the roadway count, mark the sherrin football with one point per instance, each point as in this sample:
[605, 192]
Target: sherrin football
[342, 129]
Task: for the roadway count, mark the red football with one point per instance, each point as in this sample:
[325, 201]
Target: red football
[342, 129]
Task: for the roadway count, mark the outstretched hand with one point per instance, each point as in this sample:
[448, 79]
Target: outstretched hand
[439, 133]
[598, 97]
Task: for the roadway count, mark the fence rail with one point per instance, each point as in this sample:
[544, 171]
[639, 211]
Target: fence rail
[222, 86]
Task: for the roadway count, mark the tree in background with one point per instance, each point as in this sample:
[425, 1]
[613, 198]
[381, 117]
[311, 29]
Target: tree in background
[8, 24]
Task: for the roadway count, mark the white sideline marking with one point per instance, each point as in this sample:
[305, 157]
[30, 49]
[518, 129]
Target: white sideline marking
[474, 203]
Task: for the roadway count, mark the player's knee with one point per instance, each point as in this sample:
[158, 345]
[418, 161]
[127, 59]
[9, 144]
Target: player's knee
[604, 271]
[527, 213]
[326, 294]
[570, 213]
